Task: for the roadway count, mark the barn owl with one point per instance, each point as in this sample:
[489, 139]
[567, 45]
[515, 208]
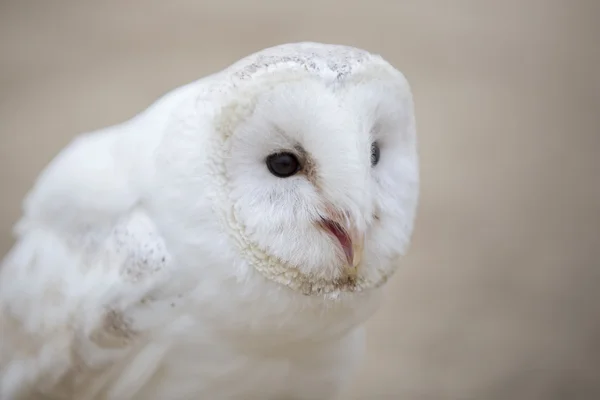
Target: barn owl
[227, 243]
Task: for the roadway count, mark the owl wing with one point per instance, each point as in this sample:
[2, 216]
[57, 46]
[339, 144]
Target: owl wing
[86, 257]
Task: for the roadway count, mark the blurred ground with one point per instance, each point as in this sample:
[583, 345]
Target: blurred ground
[499, 298]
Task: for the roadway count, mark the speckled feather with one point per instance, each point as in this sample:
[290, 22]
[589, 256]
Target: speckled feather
[159, 259]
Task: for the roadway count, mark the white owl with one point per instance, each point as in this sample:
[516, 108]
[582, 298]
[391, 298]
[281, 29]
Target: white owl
[228, 243]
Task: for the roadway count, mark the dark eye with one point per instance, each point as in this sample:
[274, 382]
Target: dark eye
[374, 153]
[283, 165]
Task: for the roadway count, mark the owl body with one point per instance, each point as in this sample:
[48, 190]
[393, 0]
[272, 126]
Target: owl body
[227, 243]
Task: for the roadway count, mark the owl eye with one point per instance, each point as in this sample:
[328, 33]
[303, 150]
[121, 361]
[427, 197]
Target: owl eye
[375, 154]
[283, 165]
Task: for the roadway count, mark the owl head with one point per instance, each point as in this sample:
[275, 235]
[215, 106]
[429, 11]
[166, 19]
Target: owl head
[308, 157]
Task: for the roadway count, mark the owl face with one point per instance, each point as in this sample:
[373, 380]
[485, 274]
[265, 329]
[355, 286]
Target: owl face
[320, 168]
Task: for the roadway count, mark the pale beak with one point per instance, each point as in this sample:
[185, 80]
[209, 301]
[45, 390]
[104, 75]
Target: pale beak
[358, 245]
[351, 240]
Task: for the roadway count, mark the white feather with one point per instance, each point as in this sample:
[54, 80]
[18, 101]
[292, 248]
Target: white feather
[160, 259]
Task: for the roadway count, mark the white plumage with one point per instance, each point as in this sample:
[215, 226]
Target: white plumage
[170, 257]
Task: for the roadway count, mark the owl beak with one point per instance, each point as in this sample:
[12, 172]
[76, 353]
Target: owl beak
[358, 245]
[351, 240]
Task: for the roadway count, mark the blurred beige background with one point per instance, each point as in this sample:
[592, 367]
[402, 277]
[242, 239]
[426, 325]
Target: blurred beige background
[499, 298]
